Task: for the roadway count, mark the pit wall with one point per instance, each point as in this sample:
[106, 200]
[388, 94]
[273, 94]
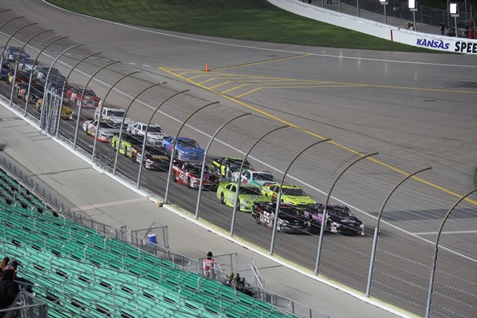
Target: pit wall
[380, 30]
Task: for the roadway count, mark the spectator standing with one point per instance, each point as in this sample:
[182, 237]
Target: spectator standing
[443, 27]
[23, 283]
[209, 266]
[8, 289]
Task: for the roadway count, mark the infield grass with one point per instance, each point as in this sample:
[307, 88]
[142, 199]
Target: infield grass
[255, 20]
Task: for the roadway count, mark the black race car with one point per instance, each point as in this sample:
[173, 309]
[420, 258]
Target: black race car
[340, 219]
[290, 219]
[225, 166]
[154, 158]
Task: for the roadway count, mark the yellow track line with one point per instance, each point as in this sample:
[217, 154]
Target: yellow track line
[321, 137]
[261, 62]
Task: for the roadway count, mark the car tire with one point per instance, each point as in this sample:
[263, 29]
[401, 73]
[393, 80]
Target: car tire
[222, 199]
[174, 177]
[189, 184]
[238, 205]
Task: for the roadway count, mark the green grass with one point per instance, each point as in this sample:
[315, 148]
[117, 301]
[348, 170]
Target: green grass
[255, 20]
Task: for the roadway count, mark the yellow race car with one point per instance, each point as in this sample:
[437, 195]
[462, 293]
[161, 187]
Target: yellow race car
[291, 194]
[66, 111]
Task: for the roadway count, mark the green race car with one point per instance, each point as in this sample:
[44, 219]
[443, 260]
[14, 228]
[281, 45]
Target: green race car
[248, 195]
[292, 194]
[128, 142]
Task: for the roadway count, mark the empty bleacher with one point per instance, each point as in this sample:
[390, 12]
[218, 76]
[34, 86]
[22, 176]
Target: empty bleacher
[80, 273]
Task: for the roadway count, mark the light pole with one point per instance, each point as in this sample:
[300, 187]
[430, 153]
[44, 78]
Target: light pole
[323, 219]
[413, 8]
[202, 171]
[376, 229]
[174, 146]
[385, 3]
[436, 250]
[454, 12]
[277, 208]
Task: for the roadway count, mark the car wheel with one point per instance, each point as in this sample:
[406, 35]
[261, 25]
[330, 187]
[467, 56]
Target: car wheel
[222, 199]
[174, 177]
[238, 205]
[189, 184]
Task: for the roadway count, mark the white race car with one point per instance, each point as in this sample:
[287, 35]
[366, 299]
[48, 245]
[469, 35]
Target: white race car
[107, 129]
[155, 134]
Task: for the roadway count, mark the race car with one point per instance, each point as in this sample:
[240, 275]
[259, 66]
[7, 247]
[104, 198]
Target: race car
[226, 166]
[56, 80]
[154, 158]
[66, 111]
[248, 195]
[106, 131]
[292, 194]
[255, 177]
[290, 219]
[85, 97]
[27, 64]
[186, 148]
[155, 134]
[112, 114]
[340, 219]
[188, 173]
[128, 141]
[12, 53]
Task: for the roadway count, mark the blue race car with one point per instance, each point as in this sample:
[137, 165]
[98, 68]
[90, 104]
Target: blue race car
[12, 53]
[186, 148]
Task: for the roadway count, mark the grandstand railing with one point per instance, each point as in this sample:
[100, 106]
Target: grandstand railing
[26, 306]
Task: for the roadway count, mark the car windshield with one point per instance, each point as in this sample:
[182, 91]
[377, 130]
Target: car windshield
[288, 210]
[86, 92]
[116, 113]
[109, 124]
[155, 151]
[155, 129]
[340, 211]
[53, 73]
[188, 143]
[296, 192]
[250, 190]
[263, 177]
[195, 170]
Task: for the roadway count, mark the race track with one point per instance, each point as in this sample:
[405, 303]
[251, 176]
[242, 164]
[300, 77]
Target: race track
[415, 110]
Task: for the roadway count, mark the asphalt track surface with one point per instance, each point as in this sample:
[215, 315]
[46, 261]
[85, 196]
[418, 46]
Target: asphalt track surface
[416, 110]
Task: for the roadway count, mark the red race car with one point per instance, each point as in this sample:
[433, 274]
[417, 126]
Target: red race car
[188, 173]
[86, 98]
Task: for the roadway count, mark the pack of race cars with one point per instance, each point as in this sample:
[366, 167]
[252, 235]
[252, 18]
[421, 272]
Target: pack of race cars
[259, 190]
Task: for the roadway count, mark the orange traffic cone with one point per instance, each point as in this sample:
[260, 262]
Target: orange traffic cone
[206, 67]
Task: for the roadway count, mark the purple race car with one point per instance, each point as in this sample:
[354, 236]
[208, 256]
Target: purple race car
[340, 219]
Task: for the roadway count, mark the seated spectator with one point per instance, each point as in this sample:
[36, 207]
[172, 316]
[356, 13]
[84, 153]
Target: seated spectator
[229, 280]
[8, 289]
[4, 263]
[241, 284]
[236, 281]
